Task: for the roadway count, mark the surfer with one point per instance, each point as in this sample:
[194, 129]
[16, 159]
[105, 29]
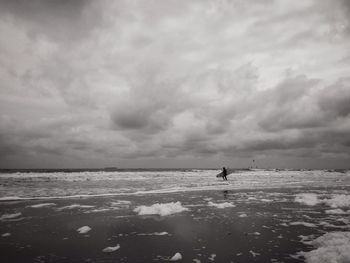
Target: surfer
[224, 173]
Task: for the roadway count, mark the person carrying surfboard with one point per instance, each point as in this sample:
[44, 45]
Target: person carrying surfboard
[224, 173]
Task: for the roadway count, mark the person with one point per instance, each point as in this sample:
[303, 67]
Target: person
[224, 173]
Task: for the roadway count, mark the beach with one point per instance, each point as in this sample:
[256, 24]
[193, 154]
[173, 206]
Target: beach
[223, 225]
[120, 121]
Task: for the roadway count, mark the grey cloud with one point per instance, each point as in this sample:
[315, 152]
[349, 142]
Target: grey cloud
[205, 80]
[312, 125]
[60, 20]
[335, 99]
[132, 118]
[346, 10]
[291, 104]
[7, 148]
[303, 104]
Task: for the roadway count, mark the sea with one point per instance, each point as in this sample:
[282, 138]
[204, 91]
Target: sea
[68, 183]
[144, 215]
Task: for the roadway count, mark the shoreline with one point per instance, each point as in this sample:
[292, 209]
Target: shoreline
[163, 191]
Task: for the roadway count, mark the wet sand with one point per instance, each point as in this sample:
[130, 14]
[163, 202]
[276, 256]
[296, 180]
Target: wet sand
[255, 230]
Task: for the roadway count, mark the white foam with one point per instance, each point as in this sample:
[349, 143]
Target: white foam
[221, 205]
[10, 198]
[337, 211]
[266, 200]
[212, 257]
[302, 224]
[331, 247]
[176, 257]
[154, 234]
[111, 249]
[243, 215]
[74, 206]
[307, 198]
[10, 216]
[326, 224]
[254, 254]
[120, 203]
[335, 201]
[161, 209]
[338, 201]
[6, 235]
[116, 183]
[42, 205]
[99, 210]
[84, 229]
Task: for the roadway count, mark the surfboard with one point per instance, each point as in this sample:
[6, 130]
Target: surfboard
[229, 171]
[219, 175]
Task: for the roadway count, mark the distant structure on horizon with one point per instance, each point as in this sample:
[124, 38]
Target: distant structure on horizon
[110, 168]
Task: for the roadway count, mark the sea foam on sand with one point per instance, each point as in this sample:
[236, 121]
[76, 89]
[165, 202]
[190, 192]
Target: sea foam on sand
[161, 209]
[84, 229]
[73, 206]
[307, 199]
[337, 211]
[338, 201]
[154, 234]
[221, 205]
[42, 205]
[10, 198]
[331, 247]
[176, 257]
[120, 203]
[10, 216]
[335, 201]
[111, 249]
[298, 223]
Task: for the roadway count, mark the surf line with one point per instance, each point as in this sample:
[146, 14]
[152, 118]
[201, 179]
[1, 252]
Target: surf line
[162, 191]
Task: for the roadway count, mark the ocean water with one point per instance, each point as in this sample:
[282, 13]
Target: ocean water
[63, 184]
[279, 216]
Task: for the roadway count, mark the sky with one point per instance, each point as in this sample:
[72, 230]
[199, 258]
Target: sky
[169, 83]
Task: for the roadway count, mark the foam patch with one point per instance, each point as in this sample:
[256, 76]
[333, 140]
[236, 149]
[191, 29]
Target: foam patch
[161, 209]
[84, 229]
[331, 247]
[221, 205]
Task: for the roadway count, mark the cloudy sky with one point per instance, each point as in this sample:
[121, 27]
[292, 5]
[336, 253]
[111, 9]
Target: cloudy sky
[169, 83]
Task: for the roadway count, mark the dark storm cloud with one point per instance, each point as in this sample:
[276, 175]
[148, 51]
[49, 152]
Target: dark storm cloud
[89, 82]
[335, 100]
[60, 20]
[290, 105]
[290, 118]
[346, 10]
[6, 147]
[302, 103]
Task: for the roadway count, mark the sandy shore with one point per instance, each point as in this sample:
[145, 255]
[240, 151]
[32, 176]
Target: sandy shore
[251, 226]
